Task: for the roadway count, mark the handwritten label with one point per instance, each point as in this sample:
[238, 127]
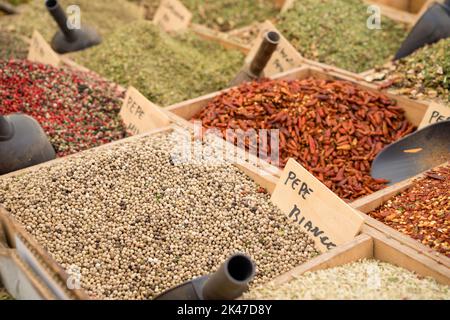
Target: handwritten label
[315, 208]
[172, 15]
[435, 113]
[286, 57]
[40, 51]
[141, 115]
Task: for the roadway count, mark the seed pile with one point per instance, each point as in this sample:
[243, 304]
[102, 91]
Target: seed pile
[361, 280]
[165, 69]
[77, 110]
[12, 46]
[226, 15]
[105, 16]
[136, 224]
[422, 211]
[335, 32]
[333, 128]
[425, 74]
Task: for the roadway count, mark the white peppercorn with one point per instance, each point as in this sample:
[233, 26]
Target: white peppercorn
[136, 224]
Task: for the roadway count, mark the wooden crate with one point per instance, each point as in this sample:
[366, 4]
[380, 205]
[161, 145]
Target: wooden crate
[407, 11]
[181, 113]
[414, 110]
[371, 202]
[372, 244]
[368, 204]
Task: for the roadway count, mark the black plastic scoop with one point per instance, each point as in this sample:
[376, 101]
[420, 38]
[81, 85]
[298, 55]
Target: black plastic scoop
[417, 152]
[433, 26]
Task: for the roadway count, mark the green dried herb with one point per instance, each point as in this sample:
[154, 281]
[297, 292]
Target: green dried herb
[105, 16]
[366, 279]
[225, 15]
[165, 69]
[425, 74]
[335, 32]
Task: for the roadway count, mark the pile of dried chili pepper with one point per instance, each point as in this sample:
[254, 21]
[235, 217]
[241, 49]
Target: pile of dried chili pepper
[333, 128]
[422, 211]
[77, 110]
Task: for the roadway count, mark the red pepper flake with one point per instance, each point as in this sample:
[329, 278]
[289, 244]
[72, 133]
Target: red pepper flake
[422, 211]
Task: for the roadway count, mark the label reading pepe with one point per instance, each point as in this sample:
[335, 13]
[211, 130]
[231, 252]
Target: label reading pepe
[315, 208]
[140, 115]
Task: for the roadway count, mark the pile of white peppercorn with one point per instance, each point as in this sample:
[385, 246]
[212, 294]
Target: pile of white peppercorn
[136, 224]
[366, 279]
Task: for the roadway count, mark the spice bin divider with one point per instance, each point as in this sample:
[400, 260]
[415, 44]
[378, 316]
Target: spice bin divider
[407, 11]
[375, 200]
[25, 270]
[18, 279]
[371, 244]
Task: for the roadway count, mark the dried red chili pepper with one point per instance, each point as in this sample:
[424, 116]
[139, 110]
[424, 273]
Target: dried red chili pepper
[333, 128]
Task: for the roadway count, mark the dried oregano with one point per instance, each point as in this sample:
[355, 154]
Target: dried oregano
[105, 16]
[335, 32]
[225, 15]
[166, 69]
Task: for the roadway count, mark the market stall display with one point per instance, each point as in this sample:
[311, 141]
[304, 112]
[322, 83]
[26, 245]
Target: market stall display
[141, 205]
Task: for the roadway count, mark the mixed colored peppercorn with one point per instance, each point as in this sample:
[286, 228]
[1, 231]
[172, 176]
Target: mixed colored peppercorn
[425, 74]
[77, 110]
[333, 128]
[422, 211]
[165, 69]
